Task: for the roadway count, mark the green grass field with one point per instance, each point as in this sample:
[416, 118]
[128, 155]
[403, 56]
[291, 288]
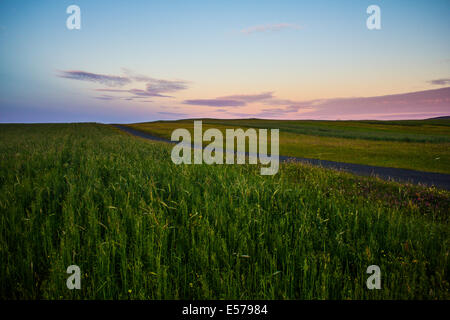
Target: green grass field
[422, 145]
[141, 227]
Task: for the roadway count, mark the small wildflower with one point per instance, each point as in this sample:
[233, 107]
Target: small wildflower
[190, 284]
[129, 291]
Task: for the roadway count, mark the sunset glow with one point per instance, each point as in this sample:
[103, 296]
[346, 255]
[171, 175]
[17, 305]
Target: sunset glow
[154, 60]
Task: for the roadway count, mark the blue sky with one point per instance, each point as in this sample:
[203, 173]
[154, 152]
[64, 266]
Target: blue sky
[227, 59]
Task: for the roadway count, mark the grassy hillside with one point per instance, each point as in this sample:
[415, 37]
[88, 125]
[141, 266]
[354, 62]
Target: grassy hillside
[141, 227]
[419, 145]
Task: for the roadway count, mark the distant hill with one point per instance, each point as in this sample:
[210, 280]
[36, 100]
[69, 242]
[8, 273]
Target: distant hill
[444, 117]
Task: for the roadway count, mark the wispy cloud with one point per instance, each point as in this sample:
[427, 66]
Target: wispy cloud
[111, 81]
[105, 97]
[278, 112]
[136, 93]
[153, 87]
[270, 27]
[112, 98]
[215, 102]
[278, 106]
[238, 100]
[250, 97]
[172, 114]
[441, 82]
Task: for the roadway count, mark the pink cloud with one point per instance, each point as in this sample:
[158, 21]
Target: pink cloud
[413, 105]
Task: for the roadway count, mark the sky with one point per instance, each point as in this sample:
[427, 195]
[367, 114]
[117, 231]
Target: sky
[136, 61]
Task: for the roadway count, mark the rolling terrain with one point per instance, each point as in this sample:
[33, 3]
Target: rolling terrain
[141, 227]
[422, 145]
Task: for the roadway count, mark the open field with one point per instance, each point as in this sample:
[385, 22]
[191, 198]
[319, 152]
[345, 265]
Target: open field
[422, 145]
[141, 227]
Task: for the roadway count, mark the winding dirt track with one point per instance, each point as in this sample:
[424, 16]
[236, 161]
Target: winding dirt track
[439, 180]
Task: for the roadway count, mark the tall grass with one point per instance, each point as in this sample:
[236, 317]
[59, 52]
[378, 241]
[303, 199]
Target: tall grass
[141, 227]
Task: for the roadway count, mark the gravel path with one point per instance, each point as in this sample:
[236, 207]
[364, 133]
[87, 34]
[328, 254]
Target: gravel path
[440, 180]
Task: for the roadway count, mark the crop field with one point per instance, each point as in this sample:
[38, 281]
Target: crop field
[141, 227]
[422, 145]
